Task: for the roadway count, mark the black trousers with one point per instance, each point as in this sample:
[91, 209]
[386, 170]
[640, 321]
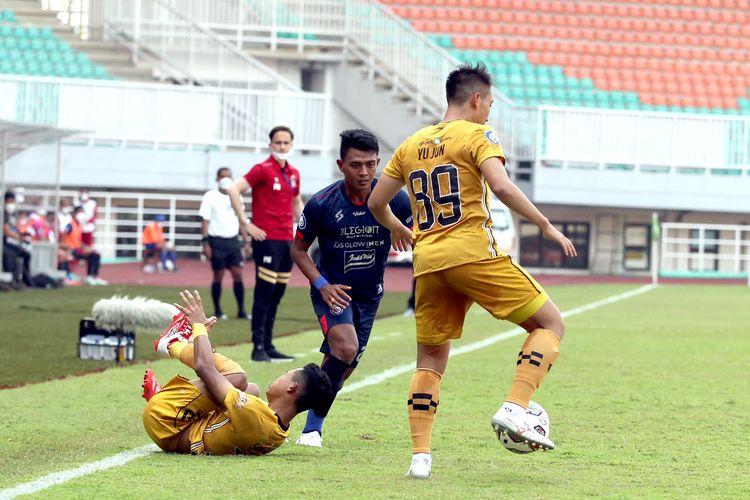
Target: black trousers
[16, 261]
[273, 265]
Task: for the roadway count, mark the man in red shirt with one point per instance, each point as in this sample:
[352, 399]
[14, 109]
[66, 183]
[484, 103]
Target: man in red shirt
[276, 203]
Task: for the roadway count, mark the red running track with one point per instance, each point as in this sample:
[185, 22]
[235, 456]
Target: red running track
[192, 272]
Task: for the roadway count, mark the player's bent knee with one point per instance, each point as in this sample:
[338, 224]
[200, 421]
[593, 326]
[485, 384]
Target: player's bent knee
[345, 352]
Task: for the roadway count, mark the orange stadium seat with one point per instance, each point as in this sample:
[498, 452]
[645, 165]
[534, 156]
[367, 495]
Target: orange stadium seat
[670, 52]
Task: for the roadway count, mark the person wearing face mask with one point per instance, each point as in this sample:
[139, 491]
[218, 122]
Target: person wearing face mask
[72, 239]
[276, 203]
[91, 209]
[221, 245]
[16, 258]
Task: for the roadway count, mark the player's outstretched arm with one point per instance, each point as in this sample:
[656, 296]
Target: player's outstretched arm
[507, 192]
[381, 196]
[216, 384]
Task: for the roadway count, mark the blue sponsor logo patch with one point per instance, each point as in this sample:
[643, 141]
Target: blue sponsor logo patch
[492, 137]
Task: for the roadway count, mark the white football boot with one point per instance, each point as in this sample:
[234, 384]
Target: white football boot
[312, 438]
[421, 465]
[511, 418]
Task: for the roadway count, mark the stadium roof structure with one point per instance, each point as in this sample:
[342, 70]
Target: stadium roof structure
[16, 137]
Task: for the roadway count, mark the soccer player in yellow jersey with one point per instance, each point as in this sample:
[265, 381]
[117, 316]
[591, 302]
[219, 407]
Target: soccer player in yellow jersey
[449, 170]
[221, 414]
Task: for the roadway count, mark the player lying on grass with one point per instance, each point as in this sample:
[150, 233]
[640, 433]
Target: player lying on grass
[221, 413]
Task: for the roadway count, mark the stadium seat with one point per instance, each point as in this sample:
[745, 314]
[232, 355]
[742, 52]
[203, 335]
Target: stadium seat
[30, 50]
[668, 47]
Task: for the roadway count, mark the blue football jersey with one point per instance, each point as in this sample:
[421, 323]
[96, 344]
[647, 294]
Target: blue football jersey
[353, 245]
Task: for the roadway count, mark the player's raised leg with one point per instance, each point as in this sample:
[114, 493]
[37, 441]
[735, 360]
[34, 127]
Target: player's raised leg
[175, 343]
[535, 359]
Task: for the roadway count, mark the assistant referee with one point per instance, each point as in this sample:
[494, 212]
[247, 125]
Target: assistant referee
[220, 229]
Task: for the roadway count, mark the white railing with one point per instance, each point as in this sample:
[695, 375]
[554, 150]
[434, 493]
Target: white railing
[643, 141]
[392, 49]
[712, 250]
[123, 216]
[156, 30]
[156, 114]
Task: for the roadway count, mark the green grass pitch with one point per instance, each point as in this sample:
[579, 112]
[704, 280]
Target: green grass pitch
[649, 398]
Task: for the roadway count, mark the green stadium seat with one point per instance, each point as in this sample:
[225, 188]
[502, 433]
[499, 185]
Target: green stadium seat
[8, 16]
[100, 72]
[51, 45]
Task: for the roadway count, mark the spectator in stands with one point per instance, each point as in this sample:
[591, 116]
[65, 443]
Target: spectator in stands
[16, 253]
[154, 245]
[276, 203]
[64, 215]
[73, 240]
[221, 245]
[42, 226]
[90, 208]
[24, 227]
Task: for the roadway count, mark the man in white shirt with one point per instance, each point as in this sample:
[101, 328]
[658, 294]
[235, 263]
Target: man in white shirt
[91, 209]
[220, 229]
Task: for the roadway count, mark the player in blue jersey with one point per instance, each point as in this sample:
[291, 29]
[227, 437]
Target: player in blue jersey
[347, 284]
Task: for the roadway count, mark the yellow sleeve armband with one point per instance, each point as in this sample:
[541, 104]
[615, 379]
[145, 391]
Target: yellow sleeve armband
[199, 329]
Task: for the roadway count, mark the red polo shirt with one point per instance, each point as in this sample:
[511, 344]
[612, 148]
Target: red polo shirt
[274, 189]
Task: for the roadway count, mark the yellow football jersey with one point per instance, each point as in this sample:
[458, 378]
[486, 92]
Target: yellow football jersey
[449, 196]
[245, 426]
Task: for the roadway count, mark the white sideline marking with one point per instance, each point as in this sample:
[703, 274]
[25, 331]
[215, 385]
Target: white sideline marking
[67, 475]
[127, 456]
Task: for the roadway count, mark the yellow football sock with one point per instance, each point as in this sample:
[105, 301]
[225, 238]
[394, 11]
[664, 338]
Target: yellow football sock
[541, 349]
[184, 351]
[424, 396]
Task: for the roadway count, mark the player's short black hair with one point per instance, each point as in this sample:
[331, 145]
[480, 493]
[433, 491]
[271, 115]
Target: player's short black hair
[221, 169]
[358, 138]
[315, 388]
[10, 195]
[463, 81]
[280, 128]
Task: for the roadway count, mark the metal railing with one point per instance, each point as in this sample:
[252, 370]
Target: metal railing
[643, 141]
[123, 216]
[710, 250]
[160, 31]
[156, 114]
[393, 51]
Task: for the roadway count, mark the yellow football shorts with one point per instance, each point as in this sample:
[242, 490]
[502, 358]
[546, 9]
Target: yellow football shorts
[499, 285]
[171, 410]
